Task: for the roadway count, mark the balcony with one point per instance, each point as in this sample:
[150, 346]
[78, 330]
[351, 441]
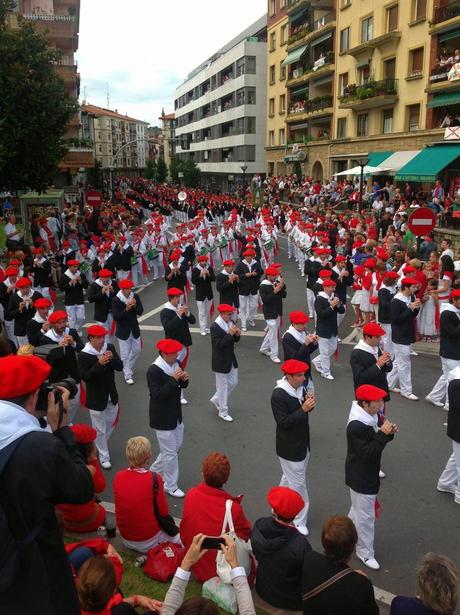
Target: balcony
[297, 37]
[306, 109]
[445, 13]
[297, 5]
[305, 33]
[375, 43]
[67, 72]
[369, 95]
[319, 67]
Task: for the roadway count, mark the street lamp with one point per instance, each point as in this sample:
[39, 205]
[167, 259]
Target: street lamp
[244, 169]
[361, 164]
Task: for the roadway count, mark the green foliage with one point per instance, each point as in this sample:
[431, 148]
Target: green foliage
[162, 171]
[175, 167]
[297, 169]
[150, 170]
[34, 108]
[191, 173]
[94, 175]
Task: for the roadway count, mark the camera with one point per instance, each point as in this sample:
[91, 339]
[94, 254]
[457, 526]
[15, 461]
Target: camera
[52, 387]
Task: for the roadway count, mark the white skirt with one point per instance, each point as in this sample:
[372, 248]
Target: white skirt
[356, 299]
[426, 319]
[365, 304]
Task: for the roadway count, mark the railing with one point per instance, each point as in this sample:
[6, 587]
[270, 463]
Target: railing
[298, 34]
[449, 11]
[324, 20]
[46, 17]
[300, 71]
[311, 105]
[439, 73]
[369, 90]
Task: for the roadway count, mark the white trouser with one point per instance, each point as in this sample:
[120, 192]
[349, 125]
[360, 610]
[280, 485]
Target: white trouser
[76, 316]
[295, 477]
[451, 473]
[253, 307]
[167, 462]
[129, 351]
[9, 329]
[143, 546]
[439, 391]
[310, 302]
[387, 342]
[225, 383]
[401, 369]
[104, 422]
[362, 513]
[248, 308]
[107, 325]
[327, 347]
[270, 341]
[134, 275]
[122, 275]
[74, 405]
[340, 317]
[44, 291]
[289, 247]
[158, 268]
[203, 314]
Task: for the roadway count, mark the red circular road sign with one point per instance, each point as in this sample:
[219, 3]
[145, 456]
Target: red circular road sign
[422, 221]
[93, 197]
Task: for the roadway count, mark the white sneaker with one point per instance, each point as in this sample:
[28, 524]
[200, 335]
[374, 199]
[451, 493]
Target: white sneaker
[207, 330]
[275, 359]
[203, 332]
[303, 529]
[445, 488]
[327, 376]
[382, 474]
[265, 352]
[129, 381]
[410, 396]
[413, 353]
[244, 328]
[225, 417]
[395, 390]
[439, 404]
[177, 493]
[183, 401]
[252, 323]
[215, 404]
[371, 562]
[446, 407]
[106, 465]
[317, 367]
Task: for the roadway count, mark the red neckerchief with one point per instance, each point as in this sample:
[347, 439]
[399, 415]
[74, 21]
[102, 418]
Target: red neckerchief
[114, 600]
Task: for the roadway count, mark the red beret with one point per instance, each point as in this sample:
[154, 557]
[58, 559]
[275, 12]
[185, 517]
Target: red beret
[202, 257]
[285, 502]
[393, 275]
[65, 243]
[105, 273]
[272, 270]
[373, 329]
[175, 255]
[370, 263]
[84, 434]
[43, 302]
[15, 262]
[125, 284]
[57, 315]
[454, 294]
[298, 318]
[11, 271]
[292, 366]
[38, 250]
[229, 263]
[97, 330]
[368, 392]
[21, 375]
[169, 346]
[325, 273]
[359, 269]
[409, 269]
[323, 251]
[225, 307]
[249, 252]
[382, 255]
[340, 258]
[329, 283]
[73, 262]
[404, 281]
[23, 282]
[174, 292]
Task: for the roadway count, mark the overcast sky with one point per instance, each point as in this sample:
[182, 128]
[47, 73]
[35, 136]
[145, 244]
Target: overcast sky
[144, 49]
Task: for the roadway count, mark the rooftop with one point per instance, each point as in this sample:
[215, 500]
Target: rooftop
[101, 111]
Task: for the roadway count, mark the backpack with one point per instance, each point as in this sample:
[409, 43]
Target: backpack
[11, 549]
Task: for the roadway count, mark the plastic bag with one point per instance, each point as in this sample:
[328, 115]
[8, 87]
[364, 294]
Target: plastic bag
[223, 594]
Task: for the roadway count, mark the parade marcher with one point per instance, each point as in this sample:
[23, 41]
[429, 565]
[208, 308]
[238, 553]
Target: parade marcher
[176, 271]
[227, 284]
[126, 307]
[41, 271]
[369, 364]
[385, 296]
[291, 405]
[98, 362]
[404, 308]
[202, 278]
[101, 292]
[327, 308]
[449, 481]
[249, 272]
[38, 325]
[224, 335]
[299, 344]
[21, 308]
[272, 291]
[165, 380]
[449, 348]
[343, 278]
[125, 258]
[73, 283]
[365, 443]
[7, 289]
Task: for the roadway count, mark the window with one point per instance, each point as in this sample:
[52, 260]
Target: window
[272, 7]
[251, 125]
[418, 9]
[282, 136]
[416, 62]
[283, 34]
[387, 121]
[364, 73]
[343, 82]
[251, 96]
[282, 71]
[272, 41]
[341, 128]
[345, 39]
[392, 18]
[283, 4]
[272, 73]
[271, 106]
[251, 65]
[389, 68]
[413, 114]
[271, 138]
[366, 29]
[283, 103]
[362, 125]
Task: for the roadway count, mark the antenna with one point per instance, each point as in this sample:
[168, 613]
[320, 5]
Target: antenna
[108, 96]
[84, 92]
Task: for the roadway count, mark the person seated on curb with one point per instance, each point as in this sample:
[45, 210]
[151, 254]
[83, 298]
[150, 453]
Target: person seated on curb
[329, 585]
[133, 491]
[279, 549]
[173, 599]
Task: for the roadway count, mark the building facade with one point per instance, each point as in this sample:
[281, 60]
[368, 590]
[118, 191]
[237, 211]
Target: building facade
[168, 128]
[220, 111]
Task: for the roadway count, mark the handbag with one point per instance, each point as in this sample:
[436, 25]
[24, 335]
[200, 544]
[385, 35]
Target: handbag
[166, 522]
[319, 588]
[243, 548]
[163, 560]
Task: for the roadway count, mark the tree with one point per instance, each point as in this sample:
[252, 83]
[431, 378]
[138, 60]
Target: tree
[150, 170]
[175, 167]
[34, 108]
[94, 175]
[191, 173]
[162, 171]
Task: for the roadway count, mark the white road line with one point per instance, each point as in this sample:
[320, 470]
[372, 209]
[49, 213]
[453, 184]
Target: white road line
[151, 313]
[196, 330]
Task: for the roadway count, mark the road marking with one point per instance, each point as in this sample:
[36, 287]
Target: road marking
[151, 313]
[196, 330]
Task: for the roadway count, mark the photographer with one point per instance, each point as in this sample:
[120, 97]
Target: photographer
[38, 470]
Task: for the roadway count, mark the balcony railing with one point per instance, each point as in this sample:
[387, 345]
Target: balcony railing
[370, 89]
[300, 71]
[298, 34]
[449, 11]
[46, 17]
[311, 106]
[439, 73]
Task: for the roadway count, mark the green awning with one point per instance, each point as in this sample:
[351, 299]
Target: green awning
[444, 100]
[299, 91]
[295, 55]
[449, 35]
[376, 158]
[321, 39]
[426, 165]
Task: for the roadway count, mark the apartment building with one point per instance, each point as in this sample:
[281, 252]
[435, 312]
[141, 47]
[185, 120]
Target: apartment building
[168, 129]
[120, 142]
[220, 110]
[277, 40]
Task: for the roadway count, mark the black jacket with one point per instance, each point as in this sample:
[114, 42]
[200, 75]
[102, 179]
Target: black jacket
[453, 418]
[165, 409]
[102, 301]
[179, 278]
[272, 303]
[21, 318]
[177, 327]
[402, 322]
[366, 371]
[126, 319]
[34, 332]
[73, 295]
[449, 347]
[64, 363]
[279, 551]
[293, 349]
[228, 292]
[5, 300]
[249, 286]
[311, 270]
[123, 259]
[223, 350]
[110, 264]
[292, 426]
[343, 283]
[203, 286]
[99, 379]
[385, 298]
[326, 317]
[42, 274]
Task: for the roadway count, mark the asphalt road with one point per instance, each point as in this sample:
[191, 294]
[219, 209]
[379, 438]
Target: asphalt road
[415, 517]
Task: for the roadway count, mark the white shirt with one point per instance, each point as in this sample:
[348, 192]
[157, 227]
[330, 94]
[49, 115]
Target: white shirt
[11, 228]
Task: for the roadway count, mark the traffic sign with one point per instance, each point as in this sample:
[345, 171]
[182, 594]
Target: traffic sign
[422, 221]
[93, 197]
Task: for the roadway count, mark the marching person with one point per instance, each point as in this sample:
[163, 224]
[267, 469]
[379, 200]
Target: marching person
[249, 272]
[7, 289]
[369, 364]
[175, 319]
[327, 309]
[224, 335]
[98, 362]
[291, 406]
[299, 344]
[227, 284]
[165, 380]
[126, 307]
[449, 481]
[386, 293]
[404, 308]
[101, 292]
[202, 278]
[38, 325]
[365, 444]
[73, 283]
[272, 291]
[176, 271]
[41, 270]
[21, 308]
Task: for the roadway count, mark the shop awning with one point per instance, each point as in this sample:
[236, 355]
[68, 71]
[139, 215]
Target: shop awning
[444, 100]
[397, 160]
[449, 36]
[375, 159]
[295, 55]
[428, 163]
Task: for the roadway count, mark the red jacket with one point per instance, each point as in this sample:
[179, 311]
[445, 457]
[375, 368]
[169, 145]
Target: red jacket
[133, 493]
[204, 512]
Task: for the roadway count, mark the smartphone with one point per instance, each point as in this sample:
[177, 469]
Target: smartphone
[212, 542]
